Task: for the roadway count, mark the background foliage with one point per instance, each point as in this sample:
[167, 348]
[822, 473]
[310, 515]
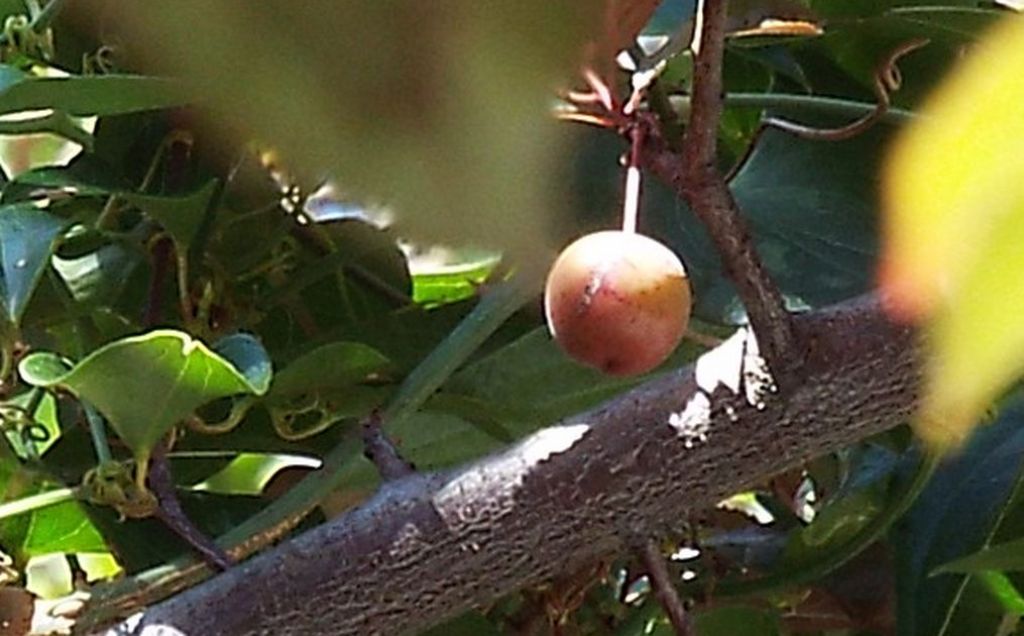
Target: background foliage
[182, 271]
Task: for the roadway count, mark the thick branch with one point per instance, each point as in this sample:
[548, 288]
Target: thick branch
[696, 177]
[428, 546]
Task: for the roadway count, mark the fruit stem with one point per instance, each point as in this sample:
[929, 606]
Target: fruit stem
[631, 205]
[629, 209]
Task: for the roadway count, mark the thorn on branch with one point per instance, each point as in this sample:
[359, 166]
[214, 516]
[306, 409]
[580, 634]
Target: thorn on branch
[887, 81]
[171, 513]
[380, 450]
[664, 589]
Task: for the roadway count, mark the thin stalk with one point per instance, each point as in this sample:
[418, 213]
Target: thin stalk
[815, 103]
[38, 501]
[98, 432]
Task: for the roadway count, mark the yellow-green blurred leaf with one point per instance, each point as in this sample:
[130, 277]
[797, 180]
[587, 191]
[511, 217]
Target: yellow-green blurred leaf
[954, 190]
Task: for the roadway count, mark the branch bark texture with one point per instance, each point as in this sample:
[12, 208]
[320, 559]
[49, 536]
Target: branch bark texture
[695, 176]
[429, 546]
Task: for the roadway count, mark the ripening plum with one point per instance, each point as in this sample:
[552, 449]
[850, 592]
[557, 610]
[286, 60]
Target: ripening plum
[618, 301]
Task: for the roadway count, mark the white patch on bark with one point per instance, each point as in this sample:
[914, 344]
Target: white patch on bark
[737, 365]
[550, 441]
[478, 494]
[694, 422]
[758, 382]
[723, 365]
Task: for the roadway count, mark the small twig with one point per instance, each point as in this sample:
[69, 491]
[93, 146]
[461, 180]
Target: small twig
[887, 80]
[153, 312]
[98, 433]
[380, 450]
[664, 589]
[705, 190]
[171, 513]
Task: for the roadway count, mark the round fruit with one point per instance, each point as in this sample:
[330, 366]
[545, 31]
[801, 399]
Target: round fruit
[617, 301]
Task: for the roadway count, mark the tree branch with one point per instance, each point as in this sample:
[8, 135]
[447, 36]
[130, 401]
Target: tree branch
[431, 545]
[696, 177]
[665, 588]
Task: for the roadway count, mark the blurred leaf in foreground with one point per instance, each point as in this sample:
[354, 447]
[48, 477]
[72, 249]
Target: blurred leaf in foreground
[438, 111]
[954, 194]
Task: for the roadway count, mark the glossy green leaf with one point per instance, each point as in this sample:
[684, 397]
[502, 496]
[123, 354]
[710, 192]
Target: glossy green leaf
[88, 95]
[28, 237]
[145, 384]
[960, 511]
[180, 216]
[248, 356]
[249, 473]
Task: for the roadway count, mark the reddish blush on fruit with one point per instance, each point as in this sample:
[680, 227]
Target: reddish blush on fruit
[617, 301]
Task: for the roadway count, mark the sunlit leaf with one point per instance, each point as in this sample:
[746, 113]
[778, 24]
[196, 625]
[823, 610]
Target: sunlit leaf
[954, 194]
[145, 384]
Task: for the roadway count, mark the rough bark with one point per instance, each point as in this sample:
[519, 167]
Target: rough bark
[428, 546]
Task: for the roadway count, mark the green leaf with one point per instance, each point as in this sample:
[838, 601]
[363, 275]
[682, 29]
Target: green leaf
[530, 382]
[331, 367]
[451, 283]
[249, 473]
[98, 278]
[93, 95]
[28, 237]
[855, 503]
[961, 510]
[248, 356]
[729, 620]
[1004, 591]
[62, 528]
[145, 384]
[1005, 556]
[180, 216]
